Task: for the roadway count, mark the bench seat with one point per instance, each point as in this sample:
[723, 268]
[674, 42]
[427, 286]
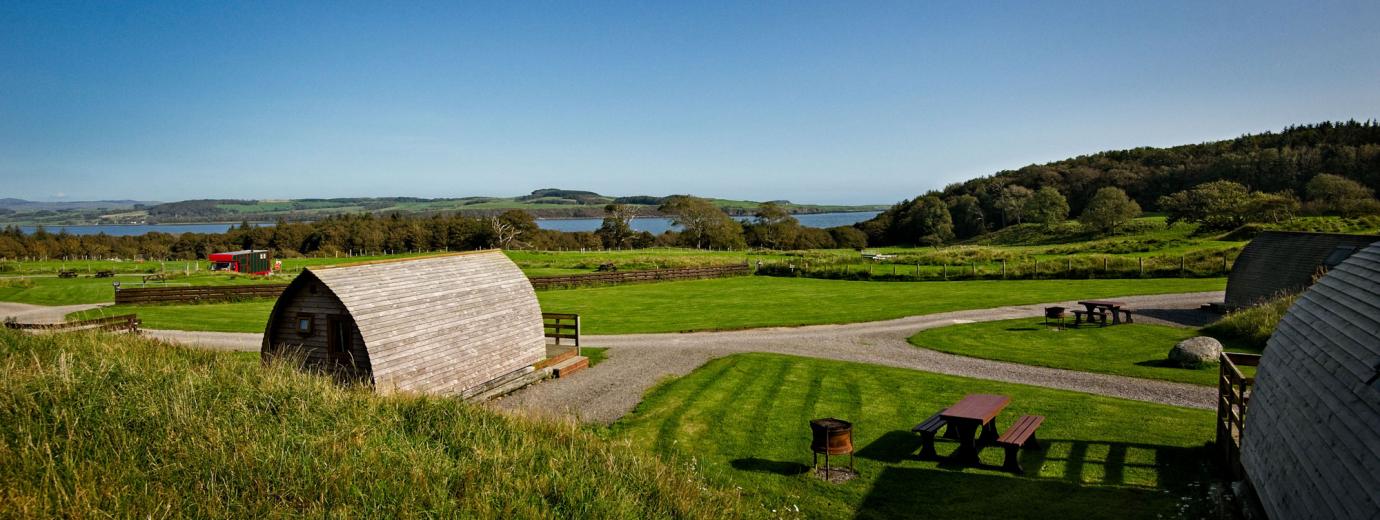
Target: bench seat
[1021, 434]
[927, 431]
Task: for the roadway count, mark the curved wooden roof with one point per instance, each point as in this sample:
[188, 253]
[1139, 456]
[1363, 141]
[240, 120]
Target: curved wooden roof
[1311, 446]
[1278, 262]
[443, 323]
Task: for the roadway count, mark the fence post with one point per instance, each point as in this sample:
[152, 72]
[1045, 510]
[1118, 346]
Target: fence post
[1183, 263]
[1104, 265]
[893, 269]
[946, 270]
[1142, 266]
[1003, 269]
[1224, 263]
[1068, 266]
[974, 270]
[1036, 274]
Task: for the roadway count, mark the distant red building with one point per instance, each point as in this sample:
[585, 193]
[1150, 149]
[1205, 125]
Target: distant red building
[250, 261]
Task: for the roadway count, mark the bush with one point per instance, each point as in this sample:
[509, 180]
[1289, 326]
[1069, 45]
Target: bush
[1251, 327]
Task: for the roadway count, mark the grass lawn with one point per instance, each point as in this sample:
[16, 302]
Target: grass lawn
[1135, 350]
[48, 290]
[726, 303]
[242, 316]
[742, 420]
[759, 301]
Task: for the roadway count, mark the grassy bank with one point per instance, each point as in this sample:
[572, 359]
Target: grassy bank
[743, 420]
[1135, 350]
[726, 303]
[107, 426]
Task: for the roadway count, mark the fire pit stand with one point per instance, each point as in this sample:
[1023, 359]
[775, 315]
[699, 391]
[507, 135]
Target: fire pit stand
[832, 437]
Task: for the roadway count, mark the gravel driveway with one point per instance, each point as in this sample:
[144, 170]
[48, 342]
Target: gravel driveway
[27, 313]
[637, 361]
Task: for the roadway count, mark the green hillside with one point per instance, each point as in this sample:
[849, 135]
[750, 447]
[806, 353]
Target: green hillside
[119, 426]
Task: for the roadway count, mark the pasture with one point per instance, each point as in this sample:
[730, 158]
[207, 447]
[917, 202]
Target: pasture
[742, 420]
[726, 303]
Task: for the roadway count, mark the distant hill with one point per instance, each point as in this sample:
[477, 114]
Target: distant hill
[1268, 162]
[542, 203]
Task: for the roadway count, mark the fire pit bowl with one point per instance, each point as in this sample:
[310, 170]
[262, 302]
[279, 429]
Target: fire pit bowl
[831, 436]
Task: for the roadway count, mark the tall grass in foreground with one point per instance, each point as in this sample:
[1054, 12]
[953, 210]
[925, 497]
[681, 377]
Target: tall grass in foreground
[98, 425]
[1252, 326]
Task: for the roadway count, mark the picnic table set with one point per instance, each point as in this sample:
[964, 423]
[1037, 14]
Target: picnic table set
[1094, 311]
[972, 421]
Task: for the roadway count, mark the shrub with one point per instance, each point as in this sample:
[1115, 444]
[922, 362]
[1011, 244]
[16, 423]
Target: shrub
[1251, 327]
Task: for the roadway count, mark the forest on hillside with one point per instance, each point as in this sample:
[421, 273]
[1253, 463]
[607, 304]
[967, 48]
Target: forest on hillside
[1275, 170]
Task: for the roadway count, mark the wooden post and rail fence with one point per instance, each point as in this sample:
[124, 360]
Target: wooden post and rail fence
[1233, 396]
[562, 326]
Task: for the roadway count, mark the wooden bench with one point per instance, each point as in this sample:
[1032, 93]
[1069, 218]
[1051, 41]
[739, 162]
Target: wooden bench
[927, 431]
[1127, 314]
[67, 273]
[1021, 434]
[1098, 317]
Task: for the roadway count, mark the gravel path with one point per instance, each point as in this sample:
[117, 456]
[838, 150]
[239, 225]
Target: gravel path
[27, 313]
[636, 362]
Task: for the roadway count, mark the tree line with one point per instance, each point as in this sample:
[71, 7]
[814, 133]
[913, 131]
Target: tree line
[701, 223]
[1322, 169]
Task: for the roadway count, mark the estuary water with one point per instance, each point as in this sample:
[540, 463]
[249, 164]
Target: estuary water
[654, 225]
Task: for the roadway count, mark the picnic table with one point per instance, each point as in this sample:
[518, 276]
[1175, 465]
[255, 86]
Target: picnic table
[969, 414]
[1115, 308]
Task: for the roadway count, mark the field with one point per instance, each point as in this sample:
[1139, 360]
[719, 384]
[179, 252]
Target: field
[743, 421]
[1135, 350]
[50, 290]
[727, 303]
[118, 426]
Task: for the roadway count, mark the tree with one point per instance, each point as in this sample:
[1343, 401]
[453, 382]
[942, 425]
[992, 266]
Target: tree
[1011, 201]
[926, 221]
[1047, 206]
[1272, 207]
[966, 213]
[773, 227]
[703, 224]
[1215, 205]
[848, 237]
[1108, 208]
[1335, 194]
[509, 228]
[616, 229]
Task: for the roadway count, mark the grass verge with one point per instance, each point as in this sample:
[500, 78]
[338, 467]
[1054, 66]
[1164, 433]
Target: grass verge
[1134, 350]
[102, 425]
[743, 420]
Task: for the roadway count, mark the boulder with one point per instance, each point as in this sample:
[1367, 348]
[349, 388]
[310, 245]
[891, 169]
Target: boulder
[1195, 352]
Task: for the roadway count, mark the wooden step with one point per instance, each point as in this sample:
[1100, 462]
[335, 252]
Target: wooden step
[570, 366]
[556, 359]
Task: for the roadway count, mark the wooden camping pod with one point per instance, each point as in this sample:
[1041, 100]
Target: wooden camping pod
[443, 324]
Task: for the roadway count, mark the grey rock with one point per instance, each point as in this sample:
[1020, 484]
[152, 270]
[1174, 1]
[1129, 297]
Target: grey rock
[1195, 352]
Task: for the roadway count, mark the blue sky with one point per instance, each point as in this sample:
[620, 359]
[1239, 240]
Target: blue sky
[830, 102]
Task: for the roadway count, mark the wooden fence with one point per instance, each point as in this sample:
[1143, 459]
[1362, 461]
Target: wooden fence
[127, 322]
[651, 275]
[197, 293]
[1233, 395]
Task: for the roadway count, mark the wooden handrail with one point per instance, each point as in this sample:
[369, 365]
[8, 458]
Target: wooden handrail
[1233, 395]
[559, 326]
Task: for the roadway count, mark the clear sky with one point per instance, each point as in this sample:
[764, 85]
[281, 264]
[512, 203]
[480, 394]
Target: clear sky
[830, 102]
